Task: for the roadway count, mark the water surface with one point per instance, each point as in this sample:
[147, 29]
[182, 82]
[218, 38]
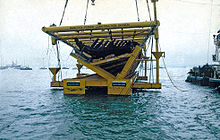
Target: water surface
[30, 109]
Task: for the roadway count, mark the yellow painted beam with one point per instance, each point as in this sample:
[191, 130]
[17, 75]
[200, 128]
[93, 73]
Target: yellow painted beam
[139, 39]
[145, 85]
[56, 84]
[129, 63]
[96, 69]
[96, 81]
[104, 32]
[101, 26]
[108, 60]
[113, 35]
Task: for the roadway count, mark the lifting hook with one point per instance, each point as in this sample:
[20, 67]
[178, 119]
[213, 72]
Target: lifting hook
[93, 2]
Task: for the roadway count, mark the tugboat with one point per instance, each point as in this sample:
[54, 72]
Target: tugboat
[208, 75]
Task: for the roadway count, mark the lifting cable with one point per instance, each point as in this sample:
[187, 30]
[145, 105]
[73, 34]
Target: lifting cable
[148, 44]
[58, 44]
[170, 78]
[137, 10]
[48, 54]
[58, 59]
[151, 62]
[63, 12]
[87, 6]
[148, 7]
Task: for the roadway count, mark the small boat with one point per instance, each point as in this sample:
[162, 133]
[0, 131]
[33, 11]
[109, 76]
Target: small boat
[3, 67]
[43, 68]
[25, 68]
[65, 68]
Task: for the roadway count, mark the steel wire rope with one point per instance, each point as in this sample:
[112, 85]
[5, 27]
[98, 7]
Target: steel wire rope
[48, 55]
[147, 37]
[58, 59]
[148, 8]
[48, 44]
[148, 44]
[170, 78]
[137, 10]
[87, 7]
[151, 62]
[58, 44]
[63, 12]
[147, 49]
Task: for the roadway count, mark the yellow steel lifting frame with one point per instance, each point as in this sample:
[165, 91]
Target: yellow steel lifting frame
[120, 83]
[101, 26]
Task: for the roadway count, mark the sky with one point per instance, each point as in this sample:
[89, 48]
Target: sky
[186, 30]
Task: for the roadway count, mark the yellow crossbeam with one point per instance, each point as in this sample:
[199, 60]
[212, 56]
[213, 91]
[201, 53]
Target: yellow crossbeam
[96, 69]
[107, 60]
[113, 35]
[104, 32]
[101, 26]
[129, 63]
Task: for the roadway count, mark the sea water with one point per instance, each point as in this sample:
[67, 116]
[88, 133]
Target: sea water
[30, 109]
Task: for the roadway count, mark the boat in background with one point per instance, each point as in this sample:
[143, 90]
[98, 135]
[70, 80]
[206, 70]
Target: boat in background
[25, 68]
[43, 68]
[65, 68]
[3, 67]
[15, 65]
[209, 74]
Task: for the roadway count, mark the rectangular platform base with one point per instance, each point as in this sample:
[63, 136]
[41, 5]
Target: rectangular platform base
[95, 84]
